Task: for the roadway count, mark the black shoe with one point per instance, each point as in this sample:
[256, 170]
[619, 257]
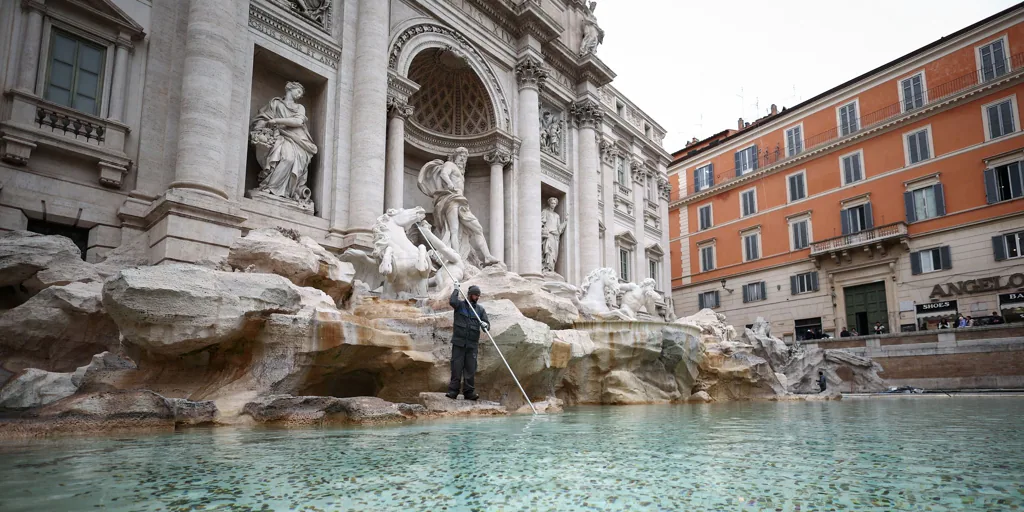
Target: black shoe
[474, 398]
[449, 395]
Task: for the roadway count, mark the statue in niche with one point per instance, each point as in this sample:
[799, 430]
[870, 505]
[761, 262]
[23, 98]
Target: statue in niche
[284, 147]
[445, 183]
[551, 133]
[592, 34]
[551, 229]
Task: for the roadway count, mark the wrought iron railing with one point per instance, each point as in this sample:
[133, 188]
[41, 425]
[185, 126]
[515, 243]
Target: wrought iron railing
[938, 93]
[896, 229]
[69, 124]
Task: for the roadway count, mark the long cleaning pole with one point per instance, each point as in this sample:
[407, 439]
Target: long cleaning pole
[478, 319]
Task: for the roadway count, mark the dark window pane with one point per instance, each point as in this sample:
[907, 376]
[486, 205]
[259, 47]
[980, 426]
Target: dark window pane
[59, 96]
[64, 49]
[61, 75]
[87, 85]
[90, 59]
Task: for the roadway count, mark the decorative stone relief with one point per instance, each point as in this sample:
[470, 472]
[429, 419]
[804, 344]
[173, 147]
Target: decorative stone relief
[531, 73]
[588, 113]
[498, 156]
[552, 132]
[609, 151]
[551, 229]
[638, 171]
[664, 188]
[283, 146]
[317, 12]
[398, 107]
[267, 23]
[556, 171]
[592, 34]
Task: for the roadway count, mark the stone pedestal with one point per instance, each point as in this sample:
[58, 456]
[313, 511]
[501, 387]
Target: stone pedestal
[531, 73]
[306, 207]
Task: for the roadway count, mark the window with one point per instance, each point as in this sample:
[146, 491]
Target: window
[652, 270]
[650, 183]
[856, 219]
[707, 258]
[853, 170]
[647, 130]
[918, 146]
[78, 235]
[624, 257]
[796, 188]
[704, 220]
[620, 109]
[930, 260]
[1000, 119]
[800, 234]
[1004, 183]
[754, 292]
[707, 300]
[752, 246]
[848, 121]
[794, 140]
[75, 74]
[748, 202]
[993, 60]
[807, 328]
[924, 203]
[803, 283]
[1008, 246]
[703, 177]
[746, 160]
[620, 170]
[912, 92]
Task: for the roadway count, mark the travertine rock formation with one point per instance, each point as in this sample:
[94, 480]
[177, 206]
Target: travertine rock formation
[23, 254]
[302, 261]
[530, 297]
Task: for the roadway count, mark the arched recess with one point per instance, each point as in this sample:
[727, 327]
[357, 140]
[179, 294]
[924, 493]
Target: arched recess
[409, 42]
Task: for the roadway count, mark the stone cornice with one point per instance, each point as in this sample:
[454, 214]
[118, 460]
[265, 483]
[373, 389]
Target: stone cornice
[400, 87]
[316, 45]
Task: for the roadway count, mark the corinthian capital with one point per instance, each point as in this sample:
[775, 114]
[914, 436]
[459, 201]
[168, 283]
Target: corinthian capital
[639, 172]
[498, 156]
[588, 113]
[398, 107]
[531, 73]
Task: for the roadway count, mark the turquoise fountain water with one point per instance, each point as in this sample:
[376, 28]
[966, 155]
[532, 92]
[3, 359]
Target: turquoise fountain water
[921, 453]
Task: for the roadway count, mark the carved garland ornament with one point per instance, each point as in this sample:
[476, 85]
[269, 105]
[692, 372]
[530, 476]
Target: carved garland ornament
[280, 30]
[464, 47]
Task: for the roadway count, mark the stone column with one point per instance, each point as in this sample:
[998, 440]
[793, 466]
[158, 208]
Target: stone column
[31, 46]
[664, 195]
[205, 121]
[398, 111]
[639, 211]
[531, 73]
[588, 116]
[608, 153]
[118, 87]
[370, 89]
[498, 159]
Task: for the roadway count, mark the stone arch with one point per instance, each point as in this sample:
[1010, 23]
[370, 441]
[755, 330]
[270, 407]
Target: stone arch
[409, 42]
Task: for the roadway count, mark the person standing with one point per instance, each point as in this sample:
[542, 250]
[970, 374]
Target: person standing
[995, 319]
[822, 382]
[465, 341]
[879, 328]
[961, 322]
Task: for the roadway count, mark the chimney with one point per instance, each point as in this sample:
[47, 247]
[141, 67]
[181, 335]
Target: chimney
[775, 110]
[739, 124]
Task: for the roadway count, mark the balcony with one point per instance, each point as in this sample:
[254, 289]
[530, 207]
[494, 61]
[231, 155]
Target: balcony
[34, 122]
[876, 238]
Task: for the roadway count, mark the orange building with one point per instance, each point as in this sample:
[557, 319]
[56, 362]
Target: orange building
[891, 200]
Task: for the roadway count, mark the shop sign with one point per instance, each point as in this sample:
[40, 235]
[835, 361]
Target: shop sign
[932, 307]
[983, 285]
[1011, 298]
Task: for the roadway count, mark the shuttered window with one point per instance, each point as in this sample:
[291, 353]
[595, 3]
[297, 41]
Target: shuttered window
[917, 147]
[1008, 246]
[913, 92]
[652, 270]
[704, 217]
[707, 258]
[931, 260]
[853, 170]
[1000, 119]
[707, 300]
[797, 187]
[803, 283]
[848, 121]
[624, 257]
[925, 203]
[748, 202]
[993, 60]
[703, 177]
[751, 247]
[620, 170]
[801, 238]
[75, 73]
[794, 141]
[1004, 183]
[746, 160]
[856, 219]
[754, 292]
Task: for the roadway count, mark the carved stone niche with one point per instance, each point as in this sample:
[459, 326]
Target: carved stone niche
[271, 73]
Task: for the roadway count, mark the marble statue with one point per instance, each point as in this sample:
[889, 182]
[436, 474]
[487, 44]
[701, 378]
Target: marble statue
[551, 228]
[551, 133]
[284, 147]
[639, 296]
[460, 230]
[592, 34]
[406, 267]
[598, 295]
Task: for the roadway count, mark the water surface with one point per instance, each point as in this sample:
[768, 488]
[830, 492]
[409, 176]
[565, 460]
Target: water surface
[914, 453]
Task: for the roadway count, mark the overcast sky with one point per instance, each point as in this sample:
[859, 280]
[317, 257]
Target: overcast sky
[697, 66]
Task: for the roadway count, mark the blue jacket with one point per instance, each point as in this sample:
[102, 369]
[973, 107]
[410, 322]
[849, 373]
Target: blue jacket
[466, 329]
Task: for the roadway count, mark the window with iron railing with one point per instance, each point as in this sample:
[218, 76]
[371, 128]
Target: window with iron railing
[848, 121]
[993, 61]
[912, 90]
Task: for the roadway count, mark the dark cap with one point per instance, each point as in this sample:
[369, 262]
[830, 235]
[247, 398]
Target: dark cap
[474, 290]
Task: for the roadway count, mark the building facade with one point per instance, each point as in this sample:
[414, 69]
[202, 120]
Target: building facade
[893, 199]
[123, 118]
